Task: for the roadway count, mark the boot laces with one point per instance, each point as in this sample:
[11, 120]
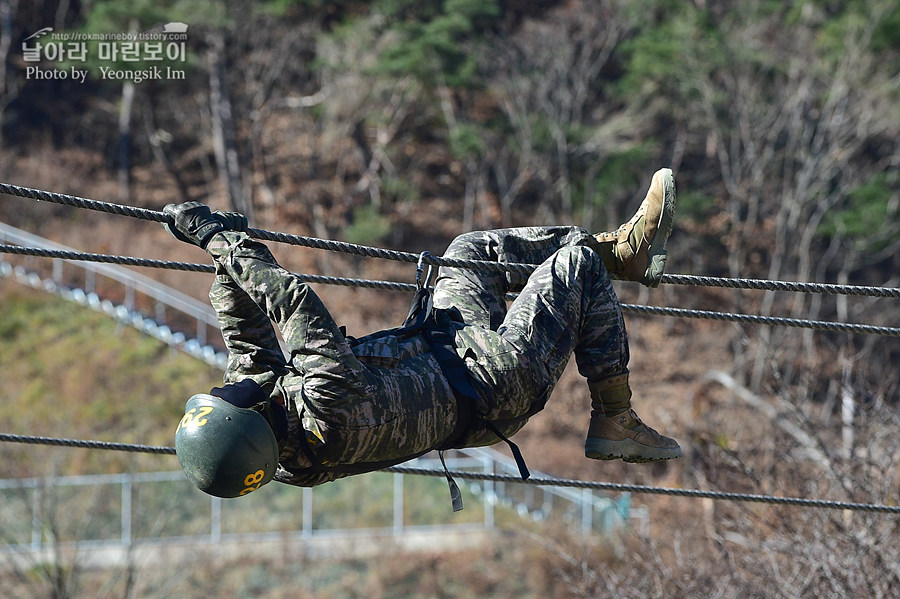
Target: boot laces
[640, 423]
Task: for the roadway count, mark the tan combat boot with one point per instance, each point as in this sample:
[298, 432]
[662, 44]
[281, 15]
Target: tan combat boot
[636, 251]
[616, 432]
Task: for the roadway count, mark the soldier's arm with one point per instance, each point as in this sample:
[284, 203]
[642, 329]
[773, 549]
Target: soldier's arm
[308, 329]
[253, 348]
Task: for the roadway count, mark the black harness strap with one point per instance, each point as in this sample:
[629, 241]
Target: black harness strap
[517, 454]
[434, 325]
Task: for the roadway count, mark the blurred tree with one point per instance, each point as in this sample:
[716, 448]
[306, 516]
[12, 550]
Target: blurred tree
[111, 18]
[795, 118]
[8, 85]
[436, 43]
[430, 39]
[377, 114]
[560, 126]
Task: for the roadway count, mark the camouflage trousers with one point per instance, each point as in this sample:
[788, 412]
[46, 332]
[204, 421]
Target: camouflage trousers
[570, 286]
[566, 306]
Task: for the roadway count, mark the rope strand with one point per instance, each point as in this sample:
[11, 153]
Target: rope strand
[767, 285]
[801, 323]
[372, 252]
[301, 240]
[396, 286]
[105, 258]
[628, 488]
[541, 481]
[86, 444]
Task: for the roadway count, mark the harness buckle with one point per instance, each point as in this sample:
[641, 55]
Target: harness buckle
[420, 268]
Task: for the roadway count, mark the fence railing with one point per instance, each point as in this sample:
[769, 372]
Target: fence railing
[78, 281]
[122, 510]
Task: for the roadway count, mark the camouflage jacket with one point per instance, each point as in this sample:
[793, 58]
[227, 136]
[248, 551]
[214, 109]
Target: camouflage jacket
[354, 405]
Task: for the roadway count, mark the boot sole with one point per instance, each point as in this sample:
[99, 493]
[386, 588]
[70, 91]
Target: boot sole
[628, 450]
[656, 253]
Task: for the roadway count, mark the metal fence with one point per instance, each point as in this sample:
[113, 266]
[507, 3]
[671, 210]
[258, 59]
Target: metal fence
[78, 281]
[122, 510]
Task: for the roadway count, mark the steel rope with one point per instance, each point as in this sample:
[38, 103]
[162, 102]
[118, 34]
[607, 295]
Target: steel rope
[86, 444]
[819, 325]
[649, 489]
[302, 240]
[505, 478]
[767, 285]
[396, 286]
[372, 252]
[105, 258]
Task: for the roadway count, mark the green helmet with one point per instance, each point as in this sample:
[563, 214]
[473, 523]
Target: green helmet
[225, 450]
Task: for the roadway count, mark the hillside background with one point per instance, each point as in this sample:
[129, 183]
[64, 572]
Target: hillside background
[401, 124]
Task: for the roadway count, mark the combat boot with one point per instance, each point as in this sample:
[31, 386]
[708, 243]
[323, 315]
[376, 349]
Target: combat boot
[616, 431]
[636, 251]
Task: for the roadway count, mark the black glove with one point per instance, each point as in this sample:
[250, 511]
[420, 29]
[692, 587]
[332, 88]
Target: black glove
[192, 222]
[231, 221]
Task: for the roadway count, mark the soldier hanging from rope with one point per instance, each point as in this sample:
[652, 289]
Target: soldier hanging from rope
[463, 371]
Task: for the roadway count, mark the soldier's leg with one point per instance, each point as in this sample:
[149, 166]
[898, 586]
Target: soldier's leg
[480, 295]
[569, 305]
[636, 251]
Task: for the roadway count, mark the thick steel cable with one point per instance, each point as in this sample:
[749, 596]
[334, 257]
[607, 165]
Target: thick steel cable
[396, 286]
[767, 285]
[361, 250]
[801, 323]
[628, 488]
[86, 444]
[191, 266]
[302, 240]
[105, 258]
[505, 478]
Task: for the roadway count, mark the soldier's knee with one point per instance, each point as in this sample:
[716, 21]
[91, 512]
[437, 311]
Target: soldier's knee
[579, 263]
[468, 244]
[580, 257]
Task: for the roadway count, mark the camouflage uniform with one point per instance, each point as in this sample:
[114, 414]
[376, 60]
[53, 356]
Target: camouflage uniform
[358, 405]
